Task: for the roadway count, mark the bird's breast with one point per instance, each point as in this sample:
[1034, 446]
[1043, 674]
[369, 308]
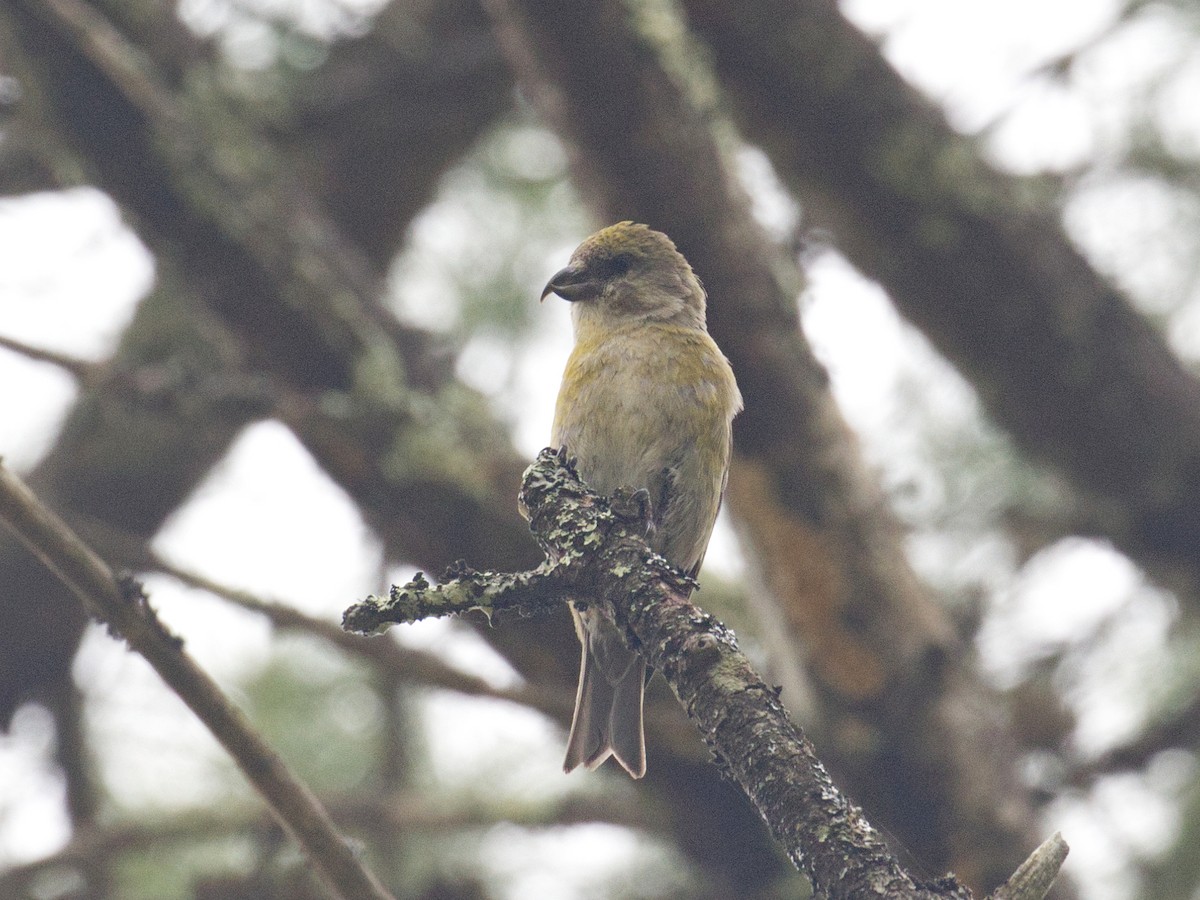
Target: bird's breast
[633, 404]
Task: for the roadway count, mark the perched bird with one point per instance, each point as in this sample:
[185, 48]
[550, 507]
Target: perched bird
[647, 402]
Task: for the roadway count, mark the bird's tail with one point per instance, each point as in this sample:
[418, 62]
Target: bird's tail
[608, 708]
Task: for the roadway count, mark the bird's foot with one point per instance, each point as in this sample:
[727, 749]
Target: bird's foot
[633, 506]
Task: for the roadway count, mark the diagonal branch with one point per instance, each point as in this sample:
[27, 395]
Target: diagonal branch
[592, 552]
[84, 371]
[245, 198]
[123, 607]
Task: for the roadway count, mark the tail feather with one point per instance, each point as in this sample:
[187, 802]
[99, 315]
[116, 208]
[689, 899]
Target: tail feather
[626, 736]
[608, 714]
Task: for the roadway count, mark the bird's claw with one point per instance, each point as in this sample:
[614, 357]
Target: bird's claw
[632, 506]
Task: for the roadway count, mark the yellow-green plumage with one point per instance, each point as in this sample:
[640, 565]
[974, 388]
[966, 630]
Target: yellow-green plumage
[647, 401]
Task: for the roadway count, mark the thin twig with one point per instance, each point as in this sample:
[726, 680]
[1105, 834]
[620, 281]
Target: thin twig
[124, 609]
[83, 370]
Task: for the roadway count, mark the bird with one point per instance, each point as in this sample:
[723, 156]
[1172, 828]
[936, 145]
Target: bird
[647, 404]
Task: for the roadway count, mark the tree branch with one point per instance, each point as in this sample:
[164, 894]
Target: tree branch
[497, 594]
[1178, 729]
[371, 363]
[1036, 875]
[396, 812]
[84, 371]
[594, 553]
[123, 607]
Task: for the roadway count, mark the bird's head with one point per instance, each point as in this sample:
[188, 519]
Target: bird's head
[628, 273]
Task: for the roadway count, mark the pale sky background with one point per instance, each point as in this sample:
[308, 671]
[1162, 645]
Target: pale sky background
[268, 520]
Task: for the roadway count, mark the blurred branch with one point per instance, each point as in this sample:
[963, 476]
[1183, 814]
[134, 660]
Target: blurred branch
[140, 436]
[381, 120]
[391, 659]
[408, 664]
[426, 813]
[979, 263]
[896, 690]
[228, 392]
[124, 609]
[132, 463]
[84, 371]
[109, 842]
[378, 812]
[292, 244]
[280, 273]
[592, 552]
[32, 157]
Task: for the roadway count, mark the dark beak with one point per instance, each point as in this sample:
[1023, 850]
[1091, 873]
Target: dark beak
[571, 283]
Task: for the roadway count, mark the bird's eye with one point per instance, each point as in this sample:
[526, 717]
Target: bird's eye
[614, 266]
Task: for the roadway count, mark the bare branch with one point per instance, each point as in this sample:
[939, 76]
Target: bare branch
[83, 370]
[124, 609]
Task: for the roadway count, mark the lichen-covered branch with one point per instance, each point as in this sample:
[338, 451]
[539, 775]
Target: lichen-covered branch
[462, 590]
[596, 554]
